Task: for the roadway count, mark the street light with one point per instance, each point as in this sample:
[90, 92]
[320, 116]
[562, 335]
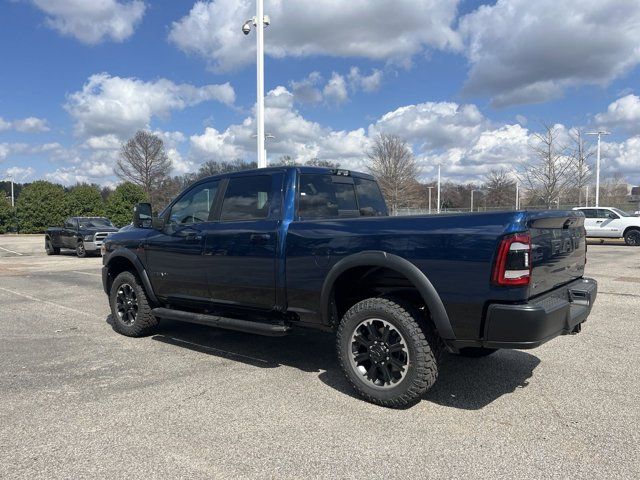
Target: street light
[13, 203]
[599, 133]
[438, 188]
[246, 28]
[472, 197]
[430, 188]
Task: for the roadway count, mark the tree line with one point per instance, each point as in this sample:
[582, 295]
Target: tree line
[41, 204]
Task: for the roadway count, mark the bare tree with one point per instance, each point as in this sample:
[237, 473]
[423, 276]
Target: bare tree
[550, 174]
[579, 156]
[500, 188]
[396, 170]
[317, 162]
[144, 162]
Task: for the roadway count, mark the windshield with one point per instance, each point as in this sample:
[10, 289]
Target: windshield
[95, 223]
[621, 213]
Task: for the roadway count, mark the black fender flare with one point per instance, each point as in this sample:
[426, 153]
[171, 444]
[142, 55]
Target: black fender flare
[376, 258]
[142, 272]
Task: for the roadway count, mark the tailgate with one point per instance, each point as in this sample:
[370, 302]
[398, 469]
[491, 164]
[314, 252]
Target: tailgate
[558, 248]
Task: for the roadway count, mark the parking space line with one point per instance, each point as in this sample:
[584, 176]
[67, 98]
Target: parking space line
[87, 273]
[11, 251]
[47, 302]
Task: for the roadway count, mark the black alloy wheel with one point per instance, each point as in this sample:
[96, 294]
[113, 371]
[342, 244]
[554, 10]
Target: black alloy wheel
[126, 304]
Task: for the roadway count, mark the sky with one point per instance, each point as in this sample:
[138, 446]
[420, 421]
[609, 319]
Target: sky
[466, 83]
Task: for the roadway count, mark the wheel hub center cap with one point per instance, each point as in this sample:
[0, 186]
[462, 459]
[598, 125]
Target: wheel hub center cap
[378, 352]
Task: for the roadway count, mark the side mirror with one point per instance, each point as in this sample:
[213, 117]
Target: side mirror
[157, 223]
[612, 215]
[142, 215]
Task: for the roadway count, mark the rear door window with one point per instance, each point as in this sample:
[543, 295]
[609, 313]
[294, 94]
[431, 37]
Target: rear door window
[247, 198]
[589, 212]
[370, 198]
[322, 197]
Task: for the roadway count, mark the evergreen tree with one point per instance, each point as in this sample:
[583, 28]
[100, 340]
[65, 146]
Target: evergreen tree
[121, 202]
[85, 200]
[41, 205]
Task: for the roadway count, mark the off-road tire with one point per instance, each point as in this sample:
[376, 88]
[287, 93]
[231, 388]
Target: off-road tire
[423, 347]
[476, 352]
[49, 248]
[145, 323]
[81, 252]
[632, 237]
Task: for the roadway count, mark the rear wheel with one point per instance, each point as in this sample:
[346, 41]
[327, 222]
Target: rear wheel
[385, 353]
[130, 308]
[632, 237]
[49, 248]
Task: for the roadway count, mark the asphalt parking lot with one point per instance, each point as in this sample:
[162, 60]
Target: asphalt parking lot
[77, 400]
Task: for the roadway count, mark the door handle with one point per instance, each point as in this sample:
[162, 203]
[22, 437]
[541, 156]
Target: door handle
[260, 238]
[599, 221]
[192, 237]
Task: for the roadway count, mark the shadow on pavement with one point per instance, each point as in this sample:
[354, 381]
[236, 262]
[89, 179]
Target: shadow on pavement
[464, 383]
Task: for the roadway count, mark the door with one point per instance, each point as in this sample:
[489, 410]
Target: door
[608, 223]
[68, 234]
[591, 221]
[240, 250]
[174, 255]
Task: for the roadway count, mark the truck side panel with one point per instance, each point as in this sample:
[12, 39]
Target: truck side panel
[454, 252]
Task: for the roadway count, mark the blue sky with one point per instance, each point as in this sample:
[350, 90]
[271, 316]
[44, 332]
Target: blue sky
[466, 84]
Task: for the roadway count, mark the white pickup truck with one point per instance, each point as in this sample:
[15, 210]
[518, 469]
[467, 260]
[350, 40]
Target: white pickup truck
[605, 222]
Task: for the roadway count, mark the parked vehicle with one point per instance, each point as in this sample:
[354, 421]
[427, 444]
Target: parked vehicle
[267, 251]
[605, 222]
[82, 234]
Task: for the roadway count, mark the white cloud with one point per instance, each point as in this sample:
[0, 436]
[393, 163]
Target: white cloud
[306, 90]
[622, 158]
[389, 31]
[335, 91]
[526, 52]
[314, 89]
[93, 21]
[19, 174]
[368, 83]
[623, 113]
[294, 136]
[433, 125]
[112, 107]
[26, 125]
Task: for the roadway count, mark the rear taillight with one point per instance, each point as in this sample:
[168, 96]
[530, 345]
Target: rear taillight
[513, 262]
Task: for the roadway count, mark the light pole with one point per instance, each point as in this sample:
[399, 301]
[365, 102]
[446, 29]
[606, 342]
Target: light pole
[438, 209]
[430, 188]
[259, 22]
[599, 133]
[472, 198]
[586, 196]
[13, 203]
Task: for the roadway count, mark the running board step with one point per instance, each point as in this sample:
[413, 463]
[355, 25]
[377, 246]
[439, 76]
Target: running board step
[268, 329]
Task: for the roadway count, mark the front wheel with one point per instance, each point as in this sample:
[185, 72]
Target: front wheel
[385, 352]
[632, 237]
[130, 308]
[81, 252]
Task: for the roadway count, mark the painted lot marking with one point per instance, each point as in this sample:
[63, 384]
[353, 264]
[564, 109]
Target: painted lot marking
[47, 302]
[11, 251]
[87, 273]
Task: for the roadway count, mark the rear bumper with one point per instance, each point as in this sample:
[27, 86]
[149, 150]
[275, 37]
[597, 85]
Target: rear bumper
[558, 312]
[528, 325]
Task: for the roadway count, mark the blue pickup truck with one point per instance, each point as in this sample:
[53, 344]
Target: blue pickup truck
[271, 250]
